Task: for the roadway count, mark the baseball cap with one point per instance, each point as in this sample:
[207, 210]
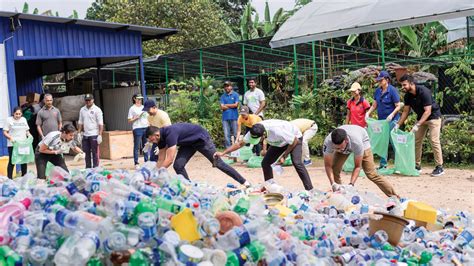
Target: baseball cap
[88, 97]
[228, 83]
[148, 104]
[244, 110]
[383, 75]
[256, 133]
[355, 86]
[138, 96]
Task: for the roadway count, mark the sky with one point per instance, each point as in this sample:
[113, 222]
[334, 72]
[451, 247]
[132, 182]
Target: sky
[66, 7]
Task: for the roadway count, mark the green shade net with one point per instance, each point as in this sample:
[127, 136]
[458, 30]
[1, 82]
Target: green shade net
[404, 143]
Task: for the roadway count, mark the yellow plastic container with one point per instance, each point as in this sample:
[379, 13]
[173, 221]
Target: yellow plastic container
[284, 211]
[420, 211]
[185, 224]
[3, 166]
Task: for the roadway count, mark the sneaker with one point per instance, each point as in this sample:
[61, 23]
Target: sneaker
[418, 168]
[307, 162]
[438, 171]
[137, 167]
[381, 167]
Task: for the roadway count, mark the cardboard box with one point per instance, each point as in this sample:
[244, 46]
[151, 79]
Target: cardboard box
[116, 145]
[33, 97]
[22, 100]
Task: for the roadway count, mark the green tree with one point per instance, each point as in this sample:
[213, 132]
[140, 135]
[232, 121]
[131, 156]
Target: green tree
[232, 11]
[102, 10]
[199, 22]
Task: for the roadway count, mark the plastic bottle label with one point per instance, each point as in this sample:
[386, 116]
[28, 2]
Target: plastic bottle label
[244, 237]
[71, 188]
[467, 236]
[95, 186]
[94, 238]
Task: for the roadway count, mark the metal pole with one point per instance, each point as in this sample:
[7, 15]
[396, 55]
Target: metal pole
[166, 80]
[200, 77]
[136, 71]
[243, 68]
[99, 83]
[315, 83]
[142, 76]
[382, 44]
[295, 75]
[468, 37]
[113, 78]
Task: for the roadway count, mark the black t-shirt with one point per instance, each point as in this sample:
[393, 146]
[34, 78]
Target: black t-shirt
[182, 134]
[422, 98]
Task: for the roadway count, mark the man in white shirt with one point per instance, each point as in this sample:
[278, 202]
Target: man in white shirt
[91, 122]
[255, 99]
[284, 139]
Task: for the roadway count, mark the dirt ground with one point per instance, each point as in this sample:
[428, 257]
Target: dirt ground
[452, 191]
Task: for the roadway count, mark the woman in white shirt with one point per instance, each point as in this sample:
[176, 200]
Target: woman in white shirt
[139, 120]
[15, 129]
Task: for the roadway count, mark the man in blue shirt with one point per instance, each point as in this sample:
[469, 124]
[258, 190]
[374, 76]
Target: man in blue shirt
[229, 104]
[190, 138]
[387, 103]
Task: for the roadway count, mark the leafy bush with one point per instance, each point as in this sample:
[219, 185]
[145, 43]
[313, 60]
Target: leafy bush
[457, 141]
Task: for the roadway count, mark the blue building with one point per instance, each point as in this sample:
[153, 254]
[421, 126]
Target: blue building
[32, 46]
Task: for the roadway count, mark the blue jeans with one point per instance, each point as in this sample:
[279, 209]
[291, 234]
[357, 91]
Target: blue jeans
[383, 161]
[153, 156]
[230, 129]
[139, 139]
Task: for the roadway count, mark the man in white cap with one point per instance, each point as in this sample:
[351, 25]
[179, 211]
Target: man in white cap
[91, 123]
[284, 139]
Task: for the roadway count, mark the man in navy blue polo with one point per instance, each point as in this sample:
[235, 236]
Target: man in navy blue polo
[387, 103]
[229, 104]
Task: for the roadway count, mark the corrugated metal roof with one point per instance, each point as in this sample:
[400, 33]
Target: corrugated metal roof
[148, 33]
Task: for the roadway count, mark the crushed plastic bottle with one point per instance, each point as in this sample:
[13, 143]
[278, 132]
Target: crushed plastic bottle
[151, 217]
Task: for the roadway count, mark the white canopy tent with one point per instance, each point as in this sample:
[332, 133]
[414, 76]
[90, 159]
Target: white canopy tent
[457, 28]
[324, 19]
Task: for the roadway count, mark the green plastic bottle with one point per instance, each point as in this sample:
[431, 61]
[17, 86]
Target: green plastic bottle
[10, 257]
[242, 206]
[2, 262]
[233, 259]
[143, 206]
[425, 257]
[254, 251]
[138, 259]
[169, 205]
[62, 200]
[95, 261]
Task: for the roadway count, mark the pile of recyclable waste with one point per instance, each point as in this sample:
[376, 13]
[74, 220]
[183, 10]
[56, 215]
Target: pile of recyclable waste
[150, 217]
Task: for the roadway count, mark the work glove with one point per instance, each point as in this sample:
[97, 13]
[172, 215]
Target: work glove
[396, 127]
[367, 116]
[415, 128]
[58, 152]
[99, 139]
[389, 117]
[79, 156]
[335, 187]
[156, 151]
[147, 147]
[79, 138]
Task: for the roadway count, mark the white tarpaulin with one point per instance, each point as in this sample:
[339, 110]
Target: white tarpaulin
[4, 97]
[324, 19]
[457, 28]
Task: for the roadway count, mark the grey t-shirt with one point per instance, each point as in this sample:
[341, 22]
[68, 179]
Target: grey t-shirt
[48, 119]
[358, 141]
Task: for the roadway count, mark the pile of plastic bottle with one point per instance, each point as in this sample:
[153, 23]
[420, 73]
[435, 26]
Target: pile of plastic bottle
[149, 217]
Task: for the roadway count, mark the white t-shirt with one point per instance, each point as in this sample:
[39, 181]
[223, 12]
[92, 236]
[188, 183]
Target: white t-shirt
[91, 119]
[279, 132]
[142, 121]
[16, 128]
[253, 98]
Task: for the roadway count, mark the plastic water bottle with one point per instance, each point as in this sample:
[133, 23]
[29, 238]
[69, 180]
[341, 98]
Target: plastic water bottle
[241, 235]
[379, 239]
[464, 238]
[116, 241]
[85, 248]
[11, 211]
[147, 223]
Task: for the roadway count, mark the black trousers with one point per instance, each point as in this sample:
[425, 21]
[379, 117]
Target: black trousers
[207, 148]
[91, 149]
[10, 165]
[273, 153]
[41, 160]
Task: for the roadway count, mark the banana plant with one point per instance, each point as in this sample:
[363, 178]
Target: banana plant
[270, 26]
[426, 42]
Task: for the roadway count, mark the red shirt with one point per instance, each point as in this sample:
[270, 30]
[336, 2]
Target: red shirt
[358, 110]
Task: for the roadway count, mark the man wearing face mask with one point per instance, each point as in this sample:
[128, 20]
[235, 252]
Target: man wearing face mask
[343, 141]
